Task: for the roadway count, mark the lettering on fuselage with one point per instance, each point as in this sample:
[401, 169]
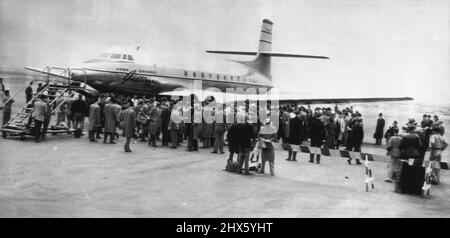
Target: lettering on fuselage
[131, 76]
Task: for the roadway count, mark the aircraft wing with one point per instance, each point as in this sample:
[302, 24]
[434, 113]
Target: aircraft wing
[282, 99]
[341, 100]
[60, 74]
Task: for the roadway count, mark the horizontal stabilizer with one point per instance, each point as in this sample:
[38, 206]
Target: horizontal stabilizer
[292, 55]
[231, 52]
[271, 54]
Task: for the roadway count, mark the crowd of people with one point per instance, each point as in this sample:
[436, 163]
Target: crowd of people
[151, 120]
[323, 127]
[413, 144]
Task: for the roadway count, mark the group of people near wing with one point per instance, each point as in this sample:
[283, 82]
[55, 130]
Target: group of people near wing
[344, 129]
[150, 120]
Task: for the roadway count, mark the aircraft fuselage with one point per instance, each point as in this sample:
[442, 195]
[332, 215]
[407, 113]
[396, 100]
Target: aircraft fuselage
[131, 78]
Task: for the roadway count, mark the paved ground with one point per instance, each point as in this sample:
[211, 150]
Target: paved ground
[68, 177]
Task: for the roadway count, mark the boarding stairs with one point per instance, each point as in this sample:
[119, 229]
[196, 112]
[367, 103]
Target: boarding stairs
[58, 88]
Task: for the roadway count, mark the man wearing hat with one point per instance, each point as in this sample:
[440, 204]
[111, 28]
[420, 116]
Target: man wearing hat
[38, 113]
[153, 124]
[101, 104]
[128, 120]
[317, 134]
[379, 130]
[296, 135]
[94, 119]
[357, 137]
[267, 134]
[424, 122]
[29, 92]
[439, 124]
[7, 105]
[244, 136]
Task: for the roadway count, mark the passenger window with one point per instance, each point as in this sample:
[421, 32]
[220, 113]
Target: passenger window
[130, 57]
[115, 56]
[124, 57]
[185, 73]
[218, 77]
[194, 74]
[203, 75]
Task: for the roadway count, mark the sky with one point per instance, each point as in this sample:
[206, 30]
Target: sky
[376, 47]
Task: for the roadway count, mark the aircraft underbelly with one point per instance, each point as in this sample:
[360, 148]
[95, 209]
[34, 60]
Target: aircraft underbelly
[144, 85]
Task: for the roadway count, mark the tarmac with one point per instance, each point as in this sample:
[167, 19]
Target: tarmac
[69, 177]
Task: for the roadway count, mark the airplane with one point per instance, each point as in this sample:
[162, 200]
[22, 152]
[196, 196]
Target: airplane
[116, 71]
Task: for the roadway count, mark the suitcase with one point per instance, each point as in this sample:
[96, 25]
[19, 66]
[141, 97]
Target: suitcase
[78, 133]
[231, 166]
[411, 179]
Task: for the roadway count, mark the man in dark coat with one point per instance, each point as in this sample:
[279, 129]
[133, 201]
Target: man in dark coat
[101, 104]
[165, 119]
[379, 130]
[244, 140]
[357, 138]
[219, 131]
[7, 101]
[317, 134]
[29, 92]
[332, 130]
[351, 123]
[233, 145]
[40, 87]
[296, 136]
[79, 110]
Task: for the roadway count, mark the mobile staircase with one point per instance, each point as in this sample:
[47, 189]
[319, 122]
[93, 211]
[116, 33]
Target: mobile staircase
[59, 87]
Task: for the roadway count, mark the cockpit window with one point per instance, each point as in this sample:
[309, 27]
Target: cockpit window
[115, 56]
[130, 57]
[104, 55]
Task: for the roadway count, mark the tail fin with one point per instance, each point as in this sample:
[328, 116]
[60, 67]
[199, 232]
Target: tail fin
[265, 38]
[262, 62]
